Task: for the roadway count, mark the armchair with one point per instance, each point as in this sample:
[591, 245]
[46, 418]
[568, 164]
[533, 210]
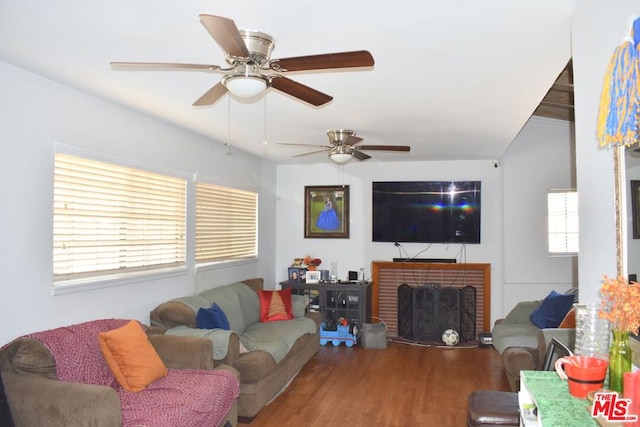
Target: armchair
[35, 369]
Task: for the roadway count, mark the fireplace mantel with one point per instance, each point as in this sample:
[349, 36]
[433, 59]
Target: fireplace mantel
[387, 276]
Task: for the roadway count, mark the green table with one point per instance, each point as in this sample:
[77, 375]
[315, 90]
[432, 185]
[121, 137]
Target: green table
[556, 407]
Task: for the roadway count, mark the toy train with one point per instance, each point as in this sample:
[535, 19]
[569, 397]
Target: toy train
[347, 334]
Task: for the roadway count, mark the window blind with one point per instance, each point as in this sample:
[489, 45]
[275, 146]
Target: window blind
[563, 222]
[110, 219]
[226, 223]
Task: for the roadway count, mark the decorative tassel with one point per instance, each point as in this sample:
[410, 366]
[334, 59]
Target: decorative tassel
[617, 114]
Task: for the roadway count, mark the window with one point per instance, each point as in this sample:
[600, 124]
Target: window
[226, 223]
[563, 222]
[110, 219]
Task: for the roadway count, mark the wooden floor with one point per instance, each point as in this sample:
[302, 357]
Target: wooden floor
[402, 385]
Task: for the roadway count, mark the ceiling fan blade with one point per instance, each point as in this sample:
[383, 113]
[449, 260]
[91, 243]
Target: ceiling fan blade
[360, 58]
[385, 147]
[312, 152]
[304, 145]
[360, 155]
[300, 91]
[226, 34]
[352, 140]
[211, 96]
[163, 66]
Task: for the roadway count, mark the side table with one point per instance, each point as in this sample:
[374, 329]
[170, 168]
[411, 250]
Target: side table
[556, 407]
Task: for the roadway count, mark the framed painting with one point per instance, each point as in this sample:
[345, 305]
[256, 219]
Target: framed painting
[635, 208]
[326, 211]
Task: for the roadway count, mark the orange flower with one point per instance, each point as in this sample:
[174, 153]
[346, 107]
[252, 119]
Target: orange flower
[621, 303]
[312, 262]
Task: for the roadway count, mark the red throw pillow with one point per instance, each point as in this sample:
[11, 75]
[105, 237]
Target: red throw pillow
[275, 305]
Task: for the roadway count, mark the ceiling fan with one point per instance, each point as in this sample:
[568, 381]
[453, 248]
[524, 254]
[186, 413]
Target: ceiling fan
[251, 69]
[343, 146]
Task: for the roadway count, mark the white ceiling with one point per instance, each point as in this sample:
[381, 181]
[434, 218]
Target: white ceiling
[452, 79]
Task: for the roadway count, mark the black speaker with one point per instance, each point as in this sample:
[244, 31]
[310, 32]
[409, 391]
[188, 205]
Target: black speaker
[353, 276]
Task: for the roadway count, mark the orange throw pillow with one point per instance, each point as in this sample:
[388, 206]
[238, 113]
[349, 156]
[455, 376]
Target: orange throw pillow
[569, 320]
[275, 305]
[131, 356]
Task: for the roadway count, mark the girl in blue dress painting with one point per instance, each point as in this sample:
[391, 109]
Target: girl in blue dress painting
[328, 218]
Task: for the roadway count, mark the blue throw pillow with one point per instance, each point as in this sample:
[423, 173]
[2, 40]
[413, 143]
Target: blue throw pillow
[212, 318]
[552, 310]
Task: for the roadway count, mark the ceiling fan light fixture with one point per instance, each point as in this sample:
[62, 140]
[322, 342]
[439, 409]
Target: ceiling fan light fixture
[340, 158]
[244, 86]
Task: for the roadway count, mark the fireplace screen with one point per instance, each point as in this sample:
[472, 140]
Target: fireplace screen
[425, 312]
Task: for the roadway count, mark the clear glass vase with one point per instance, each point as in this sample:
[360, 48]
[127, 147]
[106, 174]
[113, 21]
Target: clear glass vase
[620, 356]
[592, 331]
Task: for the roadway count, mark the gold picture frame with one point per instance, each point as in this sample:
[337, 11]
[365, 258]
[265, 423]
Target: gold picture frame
[326, 211]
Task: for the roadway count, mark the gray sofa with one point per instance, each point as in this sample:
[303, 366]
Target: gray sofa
[521, 344]
[267, 355]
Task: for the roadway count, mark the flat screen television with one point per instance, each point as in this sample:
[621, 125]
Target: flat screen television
[426, 211]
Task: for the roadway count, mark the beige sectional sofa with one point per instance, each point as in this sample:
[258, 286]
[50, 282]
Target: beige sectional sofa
[267, 355]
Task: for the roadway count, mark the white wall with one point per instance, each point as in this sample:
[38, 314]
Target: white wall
[533, 274]
[36, 113]
[541, 157]
[358, 251]
[597, 29]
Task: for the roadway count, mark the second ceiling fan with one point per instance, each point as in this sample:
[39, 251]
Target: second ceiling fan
[251, 69]
[343, 146]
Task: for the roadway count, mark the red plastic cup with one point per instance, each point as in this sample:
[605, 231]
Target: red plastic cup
[583, 373]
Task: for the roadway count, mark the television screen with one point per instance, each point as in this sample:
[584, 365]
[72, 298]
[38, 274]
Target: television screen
[426, 211]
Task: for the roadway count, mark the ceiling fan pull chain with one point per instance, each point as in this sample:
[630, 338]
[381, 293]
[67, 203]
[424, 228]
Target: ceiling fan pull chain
[228, 144]
[265, 121]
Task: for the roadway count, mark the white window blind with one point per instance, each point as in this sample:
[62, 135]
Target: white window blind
[563, 221]
[226, 223]
[110, 219]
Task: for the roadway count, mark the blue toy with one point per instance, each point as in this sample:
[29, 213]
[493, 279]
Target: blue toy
[340, 335]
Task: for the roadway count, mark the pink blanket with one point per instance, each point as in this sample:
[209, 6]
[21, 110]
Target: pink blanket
[185, 397]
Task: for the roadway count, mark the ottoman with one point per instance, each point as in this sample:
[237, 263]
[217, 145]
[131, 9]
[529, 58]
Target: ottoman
[493, 408]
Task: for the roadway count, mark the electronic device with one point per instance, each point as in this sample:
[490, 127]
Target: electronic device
[485, 339]
[353, 276]
[426, 211]
[427, 260]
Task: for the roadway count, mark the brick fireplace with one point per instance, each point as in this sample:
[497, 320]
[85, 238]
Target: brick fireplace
[387, 277]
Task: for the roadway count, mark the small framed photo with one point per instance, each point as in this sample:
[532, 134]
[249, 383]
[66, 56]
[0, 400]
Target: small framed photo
[294, 275]
[326, 211]
[313, 276]
[324, 275]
